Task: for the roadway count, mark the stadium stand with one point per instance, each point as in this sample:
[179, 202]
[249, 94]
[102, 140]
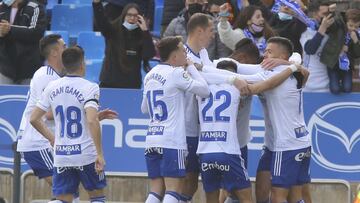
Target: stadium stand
[72, 18]
[93, 44]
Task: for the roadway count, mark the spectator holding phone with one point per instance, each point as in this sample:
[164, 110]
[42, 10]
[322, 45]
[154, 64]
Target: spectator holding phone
[128, 43]
[313, 41]
[341, 50]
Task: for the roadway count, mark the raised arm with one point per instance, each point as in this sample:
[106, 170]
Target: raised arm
[100, 20]
[227, 35]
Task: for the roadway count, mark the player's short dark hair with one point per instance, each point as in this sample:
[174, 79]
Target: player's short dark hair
[248, 47]
[227, 65]
[47, 42]
[168, 45]
[72, 58]
[285, 43]
[198, 20]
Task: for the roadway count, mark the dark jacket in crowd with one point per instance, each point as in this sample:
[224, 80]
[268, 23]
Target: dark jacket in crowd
[332, 48]
[290, 29]
[19, 49]
[124, 52]
[171, 10]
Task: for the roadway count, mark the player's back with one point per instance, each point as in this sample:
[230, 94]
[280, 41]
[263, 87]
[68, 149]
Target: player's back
[73, 142]
[285, 106]
[218, 115]
[164, 91]
[29, 139]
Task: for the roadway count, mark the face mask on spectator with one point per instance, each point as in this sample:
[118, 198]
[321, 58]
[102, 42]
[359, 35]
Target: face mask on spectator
[130, 26]
[284, 16]
[257, 28]
[8, 2]
[195, 8]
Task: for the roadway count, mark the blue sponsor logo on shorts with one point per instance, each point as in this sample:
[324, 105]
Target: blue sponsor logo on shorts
[155, 130]
[68, 149]
[213, 136]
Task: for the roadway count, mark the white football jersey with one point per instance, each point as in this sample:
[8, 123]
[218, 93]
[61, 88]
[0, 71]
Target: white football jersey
[285, 109]
[243, 120]
[164, 91]
[68, 98]
[191, 108]
[218, 115]
[29, 139]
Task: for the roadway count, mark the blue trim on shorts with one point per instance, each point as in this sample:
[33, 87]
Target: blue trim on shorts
[41, 162]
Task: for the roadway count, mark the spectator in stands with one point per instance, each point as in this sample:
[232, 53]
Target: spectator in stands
[128, 43]
[341, 50]
[114, 8]
[172, 8]
[286, 24]
[249, 24]
[22, 24]
[313, 41]
[178, 26]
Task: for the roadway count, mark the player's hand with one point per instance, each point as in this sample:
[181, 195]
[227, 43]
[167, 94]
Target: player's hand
[242, 86]
[305, 73]
[142, 23]
[271, 63]
[99, 164]
[107, 114]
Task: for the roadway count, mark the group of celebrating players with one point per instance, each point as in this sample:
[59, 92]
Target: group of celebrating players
[199, 122]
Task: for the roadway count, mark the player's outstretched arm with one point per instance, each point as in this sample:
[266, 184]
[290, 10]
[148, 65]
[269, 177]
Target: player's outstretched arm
[274, 81]
[199, 86]
[94, 127]
[37, 122]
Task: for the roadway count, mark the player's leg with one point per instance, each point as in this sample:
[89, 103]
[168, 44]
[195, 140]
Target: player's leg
[300, 193]
[41, 162]
[295, 194]
[65, 183]
[286, 170]
[210, 176]
[212, 197]
[236, 178]
[173, 170]
[93, 182]
[192, 169]
[153, 158]
[263, 177]
[230, 196]
[306, 193]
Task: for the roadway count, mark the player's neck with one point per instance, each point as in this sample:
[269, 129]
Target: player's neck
[194, 45]
[56, 65]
